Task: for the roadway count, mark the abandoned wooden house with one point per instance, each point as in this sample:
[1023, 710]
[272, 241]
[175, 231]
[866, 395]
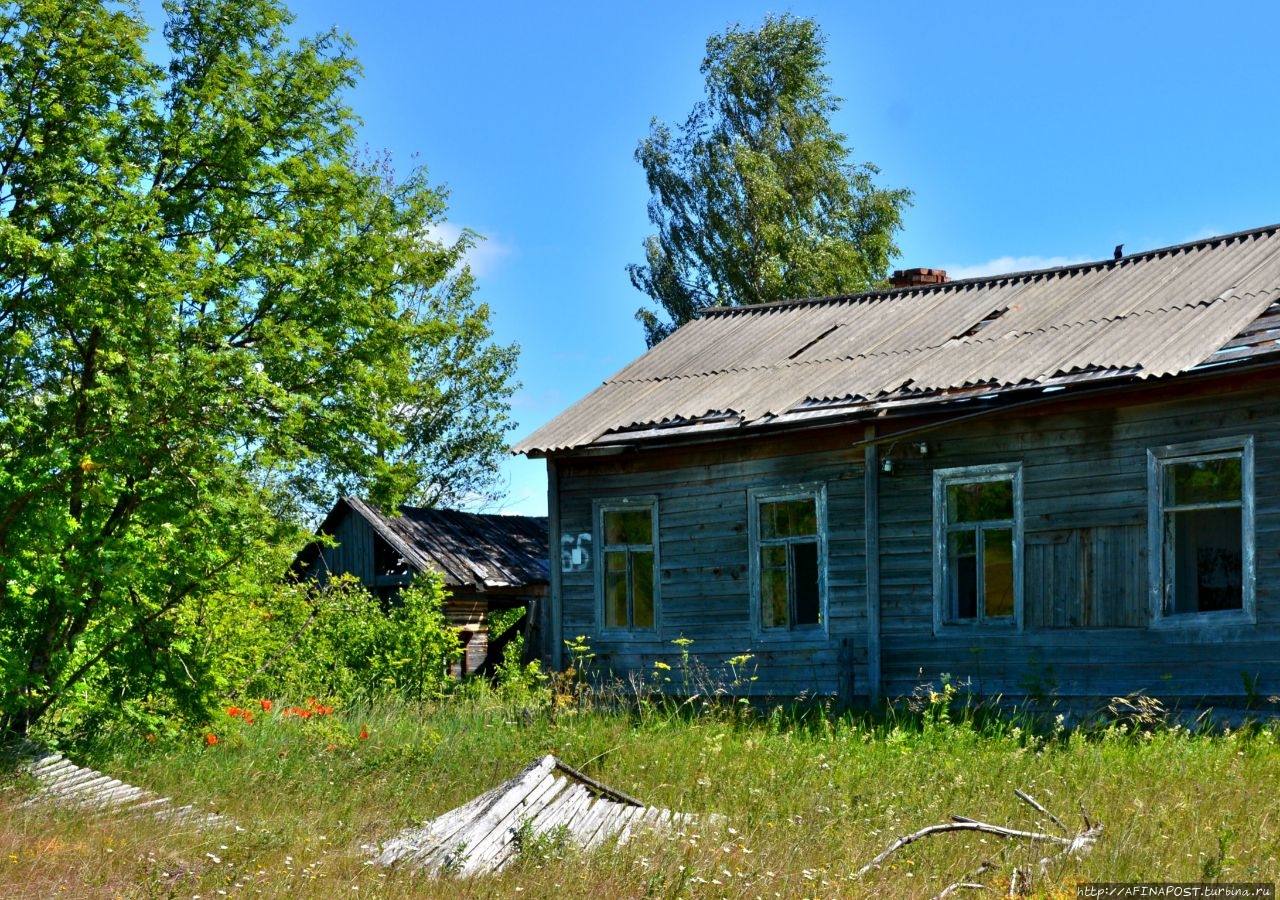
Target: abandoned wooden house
[487, 562]
[1053, 483]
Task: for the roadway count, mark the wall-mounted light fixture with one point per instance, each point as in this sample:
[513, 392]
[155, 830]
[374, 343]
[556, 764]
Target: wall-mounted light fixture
[886, 466]
[923, 448]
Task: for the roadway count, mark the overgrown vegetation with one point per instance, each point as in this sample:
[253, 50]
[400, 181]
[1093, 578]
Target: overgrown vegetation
[297, 640]
[217, 315]
[809, 797]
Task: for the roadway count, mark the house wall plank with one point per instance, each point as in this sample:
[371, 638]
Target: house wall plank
[1087, 628]
[704, 582]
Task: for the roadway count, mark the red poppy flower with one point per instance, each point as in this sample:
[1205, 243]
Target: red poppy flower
[210, 739]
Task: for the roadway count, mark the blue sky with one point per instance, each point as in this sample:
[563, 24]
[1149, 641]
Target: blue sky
[1032, 135]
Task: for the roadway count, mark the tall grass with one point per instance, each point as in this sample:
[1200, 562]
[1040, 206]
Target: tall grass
[808, 798]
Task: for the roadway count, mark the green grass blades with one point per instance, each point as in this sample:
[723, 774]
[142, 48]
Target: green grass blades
[808, 798]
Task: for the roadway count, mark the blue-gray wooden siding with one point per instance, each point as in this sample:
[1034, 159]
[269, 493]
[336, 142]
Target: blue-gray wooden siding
[1087, 631]
[703, 586]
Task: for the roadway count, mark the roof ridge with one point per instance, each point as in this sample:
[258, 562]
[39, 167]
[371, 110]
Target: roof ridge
[1026, 275]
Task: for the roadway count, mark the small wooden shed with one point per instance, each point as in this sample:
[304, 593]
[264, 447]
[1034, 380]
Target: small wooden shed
[1060, 483]
[487, 562]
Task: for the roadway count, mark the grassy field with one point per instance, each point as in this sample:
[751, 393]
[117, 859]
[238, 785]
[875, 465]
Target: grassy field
[808, 800]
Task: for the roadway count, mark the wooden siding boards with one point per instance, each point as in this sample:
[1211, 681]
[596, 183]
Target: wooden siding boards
[353, 552]
[704, 587]
[1088, 631]
[1085, 373]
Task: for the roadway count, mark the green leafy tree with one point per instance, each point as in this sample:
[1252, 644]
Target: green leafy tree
[755, 199]
[214, 312]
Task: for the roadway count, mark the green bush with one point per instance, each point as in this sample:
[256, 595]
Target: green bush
[286, 642]
[337, 641]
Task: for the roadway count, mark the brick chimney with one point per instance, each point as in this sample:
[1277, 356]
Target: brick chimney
[916, 277]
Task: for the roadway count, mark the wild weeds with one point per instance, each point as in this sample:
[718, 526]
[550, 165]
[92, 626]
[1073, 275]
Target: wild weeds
[808, 796]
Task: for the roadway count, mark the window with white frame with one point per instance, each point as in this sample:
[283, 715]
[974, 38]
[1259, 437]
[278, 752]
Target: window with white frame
[977, 522]
[788, 557]
[627, 564]
[1201, 520]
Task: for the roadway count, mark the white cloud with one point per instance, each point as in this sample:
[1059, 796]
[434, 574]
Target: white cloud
[484, 258]
[1003, 265]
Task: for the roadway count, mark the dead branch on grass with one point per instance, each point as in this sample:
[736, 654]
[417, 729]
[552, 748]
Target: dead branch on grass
[1069, 845]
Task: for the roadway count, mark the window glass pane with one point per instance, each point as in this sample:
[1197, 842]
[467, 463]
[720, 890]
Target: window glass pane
[788, 518]
[1204, 560]
[773, 556]
[1203, 481]
[997, 572]
[642, 588]
[804, 579]
[980, 501]
[615, 589]
[773, 597]
[628, 526]
[962, 574]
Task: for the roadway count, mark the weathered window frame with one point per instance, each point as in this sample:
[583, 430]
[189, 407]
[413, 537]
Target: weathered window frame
[1159, 461]
[626, 504]
[757, 496]
[943, 620]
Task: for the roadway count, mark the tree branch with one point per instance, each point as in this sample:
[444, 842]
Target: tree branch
[1069, 846]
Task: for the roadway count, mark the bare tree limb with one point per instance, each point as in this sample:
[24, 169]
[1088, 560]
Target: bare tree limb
[1031, 801]
[969, 885]
[1067, 846]
[983, 827]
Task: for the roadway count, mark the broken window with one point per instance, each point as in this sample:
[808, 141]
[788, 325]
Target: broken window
[977, 545]
[1201, 541]
[627, 564]
[788, 557]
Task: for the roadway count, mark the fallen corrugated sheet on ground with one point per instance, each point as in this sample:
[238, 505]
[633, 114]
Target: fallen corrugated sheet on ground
[547, 798]
[62, 782]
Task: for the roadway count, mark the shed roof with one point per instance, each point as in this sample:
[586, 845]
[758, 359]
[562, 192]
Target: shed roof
[1147, 315]
[477, 550]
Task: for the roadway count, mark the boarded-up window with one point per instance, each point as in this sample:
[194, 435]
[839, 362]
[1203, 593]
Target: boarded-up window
[978, 545]
[1202, 528]
[628, 561]
[788, 558]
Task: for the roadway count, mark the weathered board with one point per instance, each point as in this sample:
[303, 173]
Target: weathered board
[547, 799]
[1088, 631]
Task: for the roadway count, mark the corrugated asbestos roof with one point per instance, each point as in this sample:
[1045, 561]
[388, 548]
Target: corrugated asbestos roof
[467, 549]
[1151, 314]
[547, 799]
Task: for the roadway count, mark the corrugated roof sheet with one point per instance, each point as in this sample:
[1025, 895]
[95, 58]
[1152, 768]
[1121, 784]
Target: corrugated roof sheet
[547, 798]
[1150, 314]
[467, 549]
